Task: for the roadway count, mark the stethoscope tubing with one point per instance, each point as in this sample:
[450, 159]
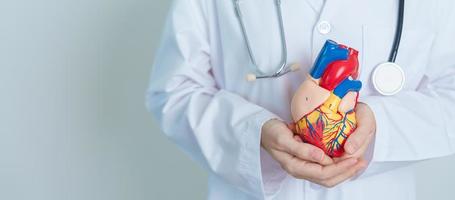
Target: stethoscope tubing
[282, 66]
[283, 69]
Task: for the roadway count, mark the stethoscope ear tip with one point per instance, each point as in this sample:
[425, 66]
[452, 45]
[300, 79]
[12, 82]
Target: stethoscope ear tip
[250, 77]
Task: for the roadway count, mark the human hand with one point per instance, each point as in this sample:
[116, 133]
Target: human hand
[358, 142]
[303, 160]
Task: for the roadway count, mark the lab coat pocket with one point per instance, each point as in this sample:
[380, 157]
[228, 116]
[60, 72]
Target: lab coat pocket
[413, 53]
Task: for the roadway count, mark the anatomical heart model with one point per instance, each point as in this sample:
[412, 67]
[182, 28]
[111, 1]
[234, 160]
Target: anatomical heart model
[323, 106]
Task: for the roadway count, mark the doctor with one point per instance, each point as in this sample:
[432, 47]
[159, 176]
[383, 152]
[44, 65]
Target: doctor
[237, 129]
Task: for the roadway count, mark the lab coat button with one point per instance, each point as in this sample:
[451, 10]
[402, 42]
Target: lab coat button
[324, 27]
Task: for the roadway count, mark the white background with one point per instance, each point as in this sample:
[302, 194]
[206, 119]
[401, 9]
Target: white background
[73, 125]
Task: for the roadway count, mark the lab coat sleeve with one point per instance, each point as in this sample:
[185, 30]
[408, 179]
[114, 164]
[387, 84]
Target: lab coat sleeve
[217, 128]
[419, 124]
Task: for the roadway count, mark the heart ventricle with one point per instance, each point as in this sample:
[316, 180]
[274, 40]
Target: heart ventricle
[327, 128]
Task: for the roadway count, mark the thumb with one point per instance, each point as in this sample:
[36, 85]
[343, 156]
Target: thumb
[356, 140]
[366, 126]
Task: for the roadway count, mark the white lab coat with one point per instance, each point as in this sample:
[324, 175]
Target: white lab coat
[200, 97]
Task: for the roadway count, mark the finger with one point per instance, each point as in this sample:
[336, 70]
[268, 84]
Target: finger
[338, 168]
[288, 162]
[298, 138]
[293, 165]
[345, 175]
[357, 139]
[361, 151]
[308, 152]
[319, 172]
[302, 150]
[291, 127]
[365, 127]
[283, 158]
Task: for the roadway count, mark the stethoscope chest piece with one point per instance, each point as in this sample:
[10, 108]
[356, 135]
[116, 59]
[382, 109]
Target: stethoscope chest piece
[388, 78]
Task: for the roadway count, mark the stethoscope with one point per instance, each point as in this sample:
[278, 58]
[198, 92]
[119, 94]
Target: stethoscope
[388, 78]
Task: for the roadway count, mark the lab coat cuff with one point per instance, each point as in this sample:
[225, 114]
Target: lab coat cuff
[380, 147]
[250, 158]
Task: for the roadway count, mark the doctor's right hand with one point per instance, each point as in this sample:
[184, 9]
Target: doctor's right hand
[303, 160]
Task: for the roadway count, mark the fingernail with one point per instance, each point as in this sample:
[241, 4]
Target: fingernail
[351, 148]
[317, 155]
